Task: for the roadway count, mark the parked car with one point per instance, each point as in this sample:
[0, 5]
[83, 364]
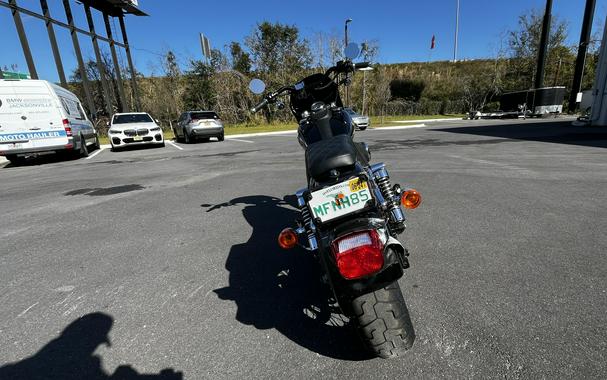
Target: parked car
[361, 122]
[38, 117]
[199, 125]
[134, 128]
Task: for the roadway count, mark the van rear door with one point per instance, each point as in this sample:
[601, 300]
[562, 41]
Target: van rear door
[11, 124]
[30, 117]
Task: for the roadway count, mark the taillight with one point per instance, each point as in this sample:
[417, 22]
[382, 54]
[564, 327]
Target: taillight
[358, 254]
[67, 127]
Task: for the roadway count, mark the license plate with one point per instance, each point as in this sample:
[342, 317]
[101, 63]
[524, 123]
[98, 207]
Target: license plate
[138, 138]
[339, 200]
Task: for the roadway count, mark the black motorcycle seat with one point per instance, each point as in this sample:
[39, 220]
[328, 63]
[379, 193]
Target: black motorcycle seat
[324, 155]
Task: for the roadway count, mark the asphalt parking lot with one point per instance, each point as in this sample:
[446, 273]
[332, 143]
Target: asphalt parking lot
[173, 251]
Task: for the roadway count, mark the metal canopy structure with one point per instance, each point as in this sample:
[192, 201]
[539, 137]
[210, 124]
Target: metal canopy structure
[109, 8]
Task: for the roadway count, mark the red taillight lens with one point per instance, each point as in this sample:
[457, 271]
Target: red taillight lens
[67, 127]
[287, 238]
[358, 254]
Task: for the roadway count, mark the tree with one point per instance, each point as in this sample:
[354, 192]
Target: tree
[94, 76]
[241, 60]
[369, 50]
[219, 61]
[278, 53]
[199, 92]
[524, 44]
[408, 89]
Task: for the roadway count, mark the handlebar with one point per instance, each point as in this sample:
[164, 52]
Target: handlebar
[259, 106]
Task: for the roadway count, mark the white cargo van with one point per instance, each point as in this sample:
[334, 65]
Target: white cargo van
[38, 117]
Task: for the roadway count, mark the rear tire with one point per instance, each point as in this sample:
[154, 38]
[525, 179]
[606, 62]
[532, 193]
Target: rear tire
[383, 321]
[221, 137]
[15, 160]
[84, 151]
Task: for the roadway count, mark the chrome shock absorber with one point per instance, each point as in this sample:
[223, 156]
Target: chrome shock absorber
[306, 219]
[396, 215]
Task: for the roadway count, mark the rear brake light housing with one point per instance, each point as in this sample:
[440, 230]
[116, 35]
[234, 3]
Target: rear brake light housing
[67, 127]
[358, 254]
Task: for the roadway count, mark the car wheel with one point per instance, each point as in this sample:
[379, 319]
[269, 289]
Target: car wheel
[221, 137]
[84, 151]
[162, 144]
[15, 160]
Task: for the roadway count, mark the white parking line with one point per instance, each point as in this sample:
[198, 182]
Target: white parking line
[95, 153]
[400, 127]
[174, 145]
[247, 141]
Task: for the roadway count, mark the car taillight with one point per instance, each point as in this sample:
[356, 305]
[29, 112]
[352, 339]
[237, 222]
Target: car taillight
[358, 254]
[67, 127]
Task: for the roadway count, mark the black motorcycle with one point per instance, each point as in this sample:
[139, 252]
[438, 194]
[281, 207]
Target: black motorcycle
[350, 214]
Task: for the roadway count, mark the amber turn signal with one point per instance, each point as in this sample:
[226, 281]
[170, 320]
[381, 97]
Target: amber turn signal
[287, 238]
[411, 199]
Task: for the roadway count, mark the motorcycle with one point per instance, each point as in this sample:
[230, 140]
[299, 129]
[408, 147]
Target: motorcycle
[350, 214]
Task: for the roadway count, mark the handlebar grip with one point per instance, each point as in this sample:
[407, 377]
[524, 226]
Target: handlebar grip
[362, 65]
[262, 104]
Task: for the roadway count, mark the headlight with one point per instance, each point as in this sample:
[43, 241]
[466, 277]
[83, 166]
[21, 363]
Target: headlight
[114, 131]
[155, 129]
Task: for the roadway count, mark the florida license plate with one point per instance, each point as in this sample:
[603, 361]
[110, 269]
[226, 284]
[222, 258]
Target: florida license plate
[339, 200]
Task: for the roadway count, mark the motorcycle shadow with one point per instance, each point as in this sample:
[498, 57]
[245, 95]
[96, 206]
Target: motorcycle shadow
[279, 289]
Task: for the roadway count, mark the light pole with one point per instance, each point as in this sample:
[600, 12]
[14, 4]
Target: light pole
[346, 44]
[346, 31]
[365, 86]
[456, 32]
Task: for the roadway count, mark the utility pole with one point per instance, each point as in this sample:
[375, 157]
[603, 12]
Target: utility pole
[580, 62]
[543, 48]
[456, 32]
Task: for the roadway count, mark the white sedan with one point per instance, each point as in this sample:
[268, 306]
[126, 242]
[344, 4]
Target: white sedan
[134, 128]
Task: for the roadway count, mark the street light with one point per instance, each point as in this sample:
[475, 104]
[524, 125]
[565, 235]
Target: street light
[346, 31]
[345, 45]
[364, 70]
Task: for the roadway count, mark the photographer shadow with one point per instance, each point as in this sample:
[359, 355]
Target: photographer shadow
[279, 289]
[70, 356]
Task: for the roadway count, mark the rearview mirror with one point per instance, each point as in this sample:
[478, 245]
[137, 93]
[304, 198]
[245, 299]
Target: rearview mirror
[352, 51]
[257, 86]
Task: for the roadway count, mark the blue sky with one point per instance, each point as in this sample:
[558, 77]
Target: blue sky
[402, 28]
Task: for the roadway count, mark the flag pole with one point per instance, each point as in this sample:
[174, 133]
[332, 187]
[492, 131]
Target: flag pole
[456, 31]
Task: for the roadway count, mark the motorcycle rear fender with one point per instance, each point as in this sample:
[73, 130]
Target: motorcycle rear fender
[346, 290]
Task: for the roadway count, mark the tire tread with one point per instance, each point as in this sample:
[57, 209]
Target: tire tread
[383, 321]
